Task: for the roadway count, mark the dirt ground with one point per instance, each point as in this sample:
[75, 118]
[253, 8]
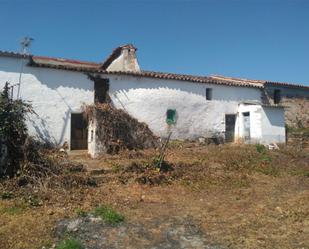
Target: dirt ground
[237, 196]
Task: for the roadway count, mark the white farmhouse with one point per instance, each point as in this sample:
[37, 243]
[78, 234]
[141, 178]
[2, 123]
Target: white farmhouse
[225, 109]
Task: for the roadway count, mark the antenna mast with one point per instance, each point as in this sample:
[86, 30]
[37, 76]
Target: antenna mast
[25, 45]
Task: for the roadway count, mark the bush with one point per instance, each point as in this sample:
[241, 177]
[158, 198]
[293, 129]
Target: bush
[13, 131]
[117, 131]
[260, 148]
[25, 156]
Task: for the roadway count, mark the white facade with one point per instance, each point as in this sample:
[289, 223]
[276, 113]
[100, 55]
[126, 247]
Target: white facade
[55, 94]
[267, 124]
[273, 125]
[149, 99]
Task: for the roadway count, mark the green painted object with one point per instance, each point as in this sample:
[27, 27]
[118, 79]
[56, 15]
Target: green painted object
[171, 116]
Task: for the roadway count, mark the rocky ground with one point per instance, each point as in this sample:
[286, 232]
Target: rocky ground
[160, 233]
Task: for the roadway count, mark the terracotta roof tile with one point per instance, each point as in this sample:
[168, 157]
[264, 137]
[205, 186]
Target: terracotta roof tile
[63, 62]
[263, 82]
[287, 84]
[13, 54]
[182, 77]
[91, 67]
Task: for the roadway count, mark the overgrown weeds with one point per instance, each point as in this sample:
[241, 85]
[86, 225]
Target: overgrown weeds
[70, 243]
[27, 161]
[260, 148]
[17, 207]
[6, 195]
[80, 212]
[226, 166]
[13, 132]
[117, 131]
[108, 214]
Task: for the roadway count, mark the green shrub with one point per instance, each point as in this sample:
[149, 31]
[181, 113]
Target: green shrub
[260, 148]
[269, 170]
[18, 208]
[80, 212]
[70, 243]
[6, 195]
[34, 201]
[108, 214]
[116, 168]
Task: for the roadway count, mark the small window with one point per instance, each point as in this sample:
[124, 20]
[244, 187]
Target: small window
[277, 96]
[208, 93]
[171, 116]
[101, 88]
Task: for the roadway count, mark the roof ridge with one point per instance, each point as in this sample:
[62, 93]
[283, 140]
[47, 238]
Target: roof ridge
[188, 75]
[236, 79]
[259, 81]
[76, 65]
[13, 54]
[287, 84]
[64, 59]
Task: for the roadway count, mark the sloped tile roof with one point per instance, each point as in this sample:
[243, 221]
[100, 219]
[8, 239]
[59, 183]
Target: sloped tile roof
[148, 74]
[92, 67]
[296, 85]
[263, 82]
[63, 62]
[13, 54]
[238, 80]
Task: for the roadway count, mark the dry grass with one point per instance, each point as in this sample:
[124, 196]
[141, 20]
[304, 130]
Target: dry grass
[241, 197]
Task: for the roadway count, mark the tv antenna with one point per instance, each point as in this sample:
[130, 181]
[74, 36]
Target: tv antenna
[25, 45]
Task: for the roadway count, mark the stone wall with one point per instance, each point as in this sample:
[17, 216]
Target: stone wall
[296, 112]
[296, 103]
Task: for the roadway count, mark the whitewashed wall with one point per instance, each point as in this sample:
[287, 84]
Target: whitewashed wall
[266, 124]
[148, 100]
[54, 94]
[273, 125]
[255, 122]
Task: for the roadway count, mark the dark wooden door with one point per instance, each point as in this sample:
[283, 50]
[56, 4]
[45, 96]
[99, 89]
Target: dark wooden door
[79, 132]
[230, 120]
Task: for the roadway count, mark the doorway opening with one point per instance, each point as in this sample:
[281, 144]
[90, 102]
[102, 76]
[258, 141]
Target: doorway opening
[79, 132]
[230, 120]
[246, 127]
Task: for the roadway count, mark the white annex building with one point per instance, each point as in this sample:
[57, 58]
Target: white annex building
[217, 107]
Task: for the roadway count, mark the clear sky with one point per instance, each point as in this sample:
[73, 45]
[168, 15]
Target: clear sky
[257, 39]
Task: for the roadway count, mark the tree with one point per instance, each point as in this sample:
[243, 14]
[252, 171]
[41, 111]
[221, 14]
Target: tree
[13, 130]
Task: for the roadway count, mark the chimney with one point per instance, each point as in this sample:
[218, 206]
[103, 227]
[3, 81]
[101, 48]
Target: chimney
[124, 59]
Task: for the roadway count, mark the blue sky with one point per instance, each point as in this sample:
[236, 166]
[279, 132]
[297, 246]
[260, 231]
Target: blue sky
[255, 39]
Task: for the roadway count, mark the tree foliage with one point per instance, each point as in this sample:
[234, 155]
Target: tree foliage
[13, 130]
